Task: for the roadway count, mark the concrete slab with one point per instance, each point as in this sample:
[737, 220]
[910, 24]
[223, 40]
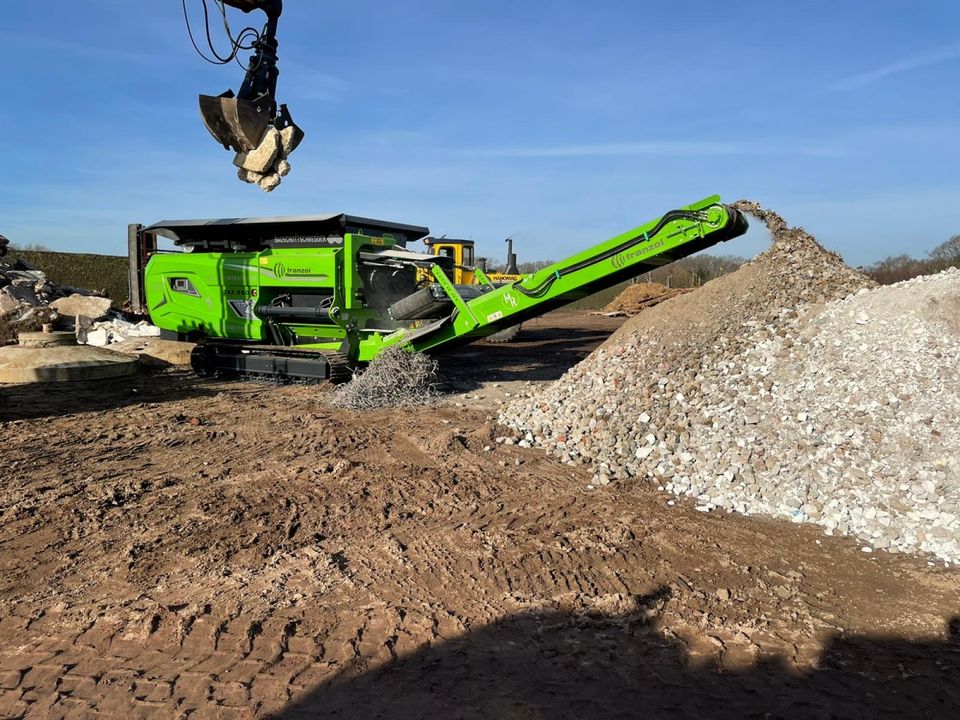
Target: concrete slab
[156, 351]
[90, 306]
[55, 357]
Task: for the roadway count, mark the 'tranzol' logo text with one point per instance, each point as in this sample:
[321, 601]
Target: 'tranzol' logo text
[281, 270]
[626, 258]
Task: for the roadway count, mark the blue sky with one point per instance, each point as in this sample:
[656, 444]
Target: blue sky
[560, 123]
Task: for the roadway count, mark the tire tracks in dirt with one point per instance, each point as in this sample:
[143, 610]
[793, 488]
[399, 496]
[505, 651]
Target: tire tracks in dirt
[230, 567]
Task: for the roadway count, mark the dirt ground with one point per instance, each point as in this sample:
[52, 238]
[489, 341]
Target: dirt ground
[182, 548]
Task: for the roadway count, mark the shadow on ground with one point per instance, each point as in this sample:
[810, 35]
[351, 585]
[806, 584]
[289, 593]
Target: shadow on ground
[558, 665]
[40, 400]
[540, 354]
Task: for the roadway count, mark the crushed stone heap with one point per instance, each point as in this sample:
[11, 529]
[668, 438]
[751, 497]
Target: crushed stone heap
[792, 387]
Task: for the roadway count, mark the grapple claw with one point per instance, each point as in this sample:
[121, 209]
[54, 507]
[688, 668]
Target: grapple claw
[292, 138]
[234, 123]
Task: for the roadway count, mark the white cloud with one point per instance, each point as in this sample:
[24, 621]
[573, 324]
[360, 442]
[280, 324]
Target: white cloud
[915, 62]
[667, 148]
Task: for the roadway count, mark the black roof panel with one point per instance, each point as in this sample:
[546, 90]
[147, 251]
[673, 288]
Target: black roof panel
[263, 229]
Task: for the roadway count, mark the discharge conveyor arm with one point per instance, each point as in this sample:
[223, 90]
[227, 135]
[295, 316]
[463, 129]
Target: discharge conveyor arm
[673, 236]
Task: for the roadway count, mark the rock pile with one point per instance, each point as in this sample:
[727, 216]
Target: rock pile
[29, 300]
[115, 330]
[791, 387]
[638, 297]
[267, 164]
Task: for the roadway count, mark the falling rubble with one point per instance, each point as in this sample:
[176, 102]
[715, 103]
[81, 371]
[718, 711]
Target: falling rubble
[793, 387]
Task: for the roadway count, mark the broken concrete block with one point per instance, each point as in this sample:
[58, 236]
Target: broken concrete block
[8, 304]
[270, 182]
[249, 177]
[28, 314]
[290, 138]
[143, 329]
[45, 289]
[154, 351]
[262, 157]
[283, 168]
[99, 337]
[117, 330]
[22, 294]
[89, 306]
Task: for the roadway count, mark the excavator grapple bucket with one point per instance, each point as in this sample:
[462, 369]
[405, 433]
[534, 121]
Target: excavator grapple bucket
[234, 123]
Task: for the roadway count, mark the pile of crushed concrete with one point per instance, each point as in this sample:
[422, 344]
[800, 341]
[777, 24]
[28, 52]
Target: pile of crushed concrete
[29, 300]
[792, 387]
[638, 297]
[267, 164]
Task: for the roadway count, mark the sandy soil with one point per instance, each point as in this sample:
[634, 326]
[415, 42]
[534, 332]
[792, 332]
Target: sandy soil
[181, 548]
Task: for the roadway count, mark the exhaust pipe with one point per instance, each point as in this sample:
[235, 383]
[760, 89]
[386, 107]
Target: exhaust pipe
[512, 268]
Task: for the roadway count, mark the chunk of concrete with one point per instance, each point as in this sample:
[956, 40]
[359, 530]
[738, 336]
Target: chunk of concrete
[27, 278]
[7, 304]
[249, 176]
[143, 329]
[269, 182]
[55, 357]
[98, 337]
[156, 351]
[21, 294]
[89, 306]
[119, 330]
[261, 158]
[290, 138]
[283, 168]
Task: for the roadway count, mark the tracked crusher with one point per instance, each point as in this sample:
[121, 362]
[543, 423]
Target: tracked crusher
[309, 298]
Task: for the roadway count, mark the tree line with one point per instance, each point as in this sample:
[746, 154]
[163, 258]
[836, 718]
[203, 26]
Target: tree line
[897, 268]
[689, 272]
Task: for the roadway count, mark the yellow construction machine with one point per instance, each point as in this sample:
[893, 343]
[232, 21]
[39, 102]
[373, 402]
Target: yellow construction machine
[467, 269]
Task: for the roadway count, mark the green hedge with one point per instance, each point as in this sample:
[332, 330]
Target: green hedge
[82, 270]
